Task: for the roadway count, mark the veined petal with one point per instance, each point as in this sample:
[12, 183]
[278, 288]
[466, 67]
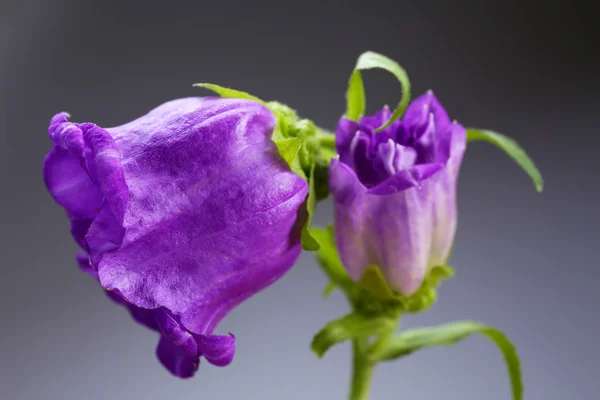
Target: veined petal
[406, 179]
[392, 231]
[217, 349]
[404, 219]
[417, 114]
[187, 211]
[174, 359]
[70, 185]
[445, 202]
[344, 135]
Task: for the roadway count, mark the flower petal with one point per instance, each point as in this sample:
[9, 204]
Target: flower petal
[70, 185]
[391, 229]
[445, 203]
[217, 349]
[184, 212]
[173, 358]
[140, 315]
[211, 210]
[417, 114]
[344, 134]
[406, 179]
[173, 330]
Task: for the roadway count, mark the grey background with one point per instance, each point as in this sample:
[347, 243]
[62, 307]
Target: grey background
[525, 261]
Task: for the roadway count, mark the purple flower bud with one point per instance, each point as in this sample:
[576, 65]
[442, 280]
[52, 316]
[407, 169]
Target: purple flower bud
[395, 192]
[183, 213]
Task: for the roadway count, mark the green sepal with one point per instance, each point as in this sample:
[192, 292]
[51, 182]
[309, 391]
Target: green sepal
[286, 115]
[329, 259]
[229, 93]
[308, 241]
[375, 284]
[322, 177]
[355, 96]
[329, 289]
[410, 341]
[352, 326]
[288, 150]
[426, 296]
[511, 148]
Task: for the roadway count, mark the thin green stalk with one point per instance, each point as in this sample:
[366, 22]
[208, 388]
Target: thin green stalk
[362, 370]
[381, 343]
[363, 363]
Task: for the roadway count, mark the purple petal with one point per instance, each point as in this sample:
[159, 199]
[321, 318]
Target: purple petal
[392, 231]
[173, 330]
[444, 193]
[374, 121]
[404, 219]
[361, 160]
[417, 114]
[84, 174]
[344, 134]
[210, 210]
[140, 315]
[185, 212]
[173, 358]
[389, 226]
[70, 185]
[406, 179]
[217, 349]
[79, 228]
[84, 264]
[344, 183]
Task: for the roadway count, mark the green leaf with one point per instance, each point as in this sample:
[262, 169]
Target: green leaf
[448, 334]
[288, 149]
[329, 259]
[308, 241]
[355, 96]
[426, 296]
[352, 326]
[374, 282]
[512, 149]
[229, 93]
[329, 289]
[285, 114]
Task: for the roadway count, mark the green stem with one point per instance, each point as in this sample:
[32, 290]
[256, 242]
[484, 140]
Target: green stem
[381, 343]
[362, 370]
[363, 364]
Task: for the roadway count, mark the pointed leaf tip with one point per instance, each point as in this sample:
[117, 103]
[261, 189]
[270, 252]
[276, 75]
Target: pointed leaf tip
[309, 243]
[355, 96]
[228, 92]
[510, 147]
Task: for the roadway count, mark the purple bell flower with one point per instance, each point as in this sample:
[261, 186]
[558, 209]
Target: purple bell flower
[395, 192]
[183, 214]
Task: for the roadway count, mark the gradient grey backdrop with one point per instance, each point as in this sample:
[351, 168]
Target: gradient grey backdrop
[526, 262]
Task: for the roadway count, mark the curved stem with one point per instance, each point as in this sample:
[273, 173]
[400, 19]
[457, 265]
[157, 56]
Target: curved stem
[362, 370]
[381, 343]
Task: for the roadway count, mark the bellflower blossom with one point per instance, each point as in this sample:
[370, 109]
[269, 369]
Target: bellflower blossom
[182, 213]
[395, 192]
